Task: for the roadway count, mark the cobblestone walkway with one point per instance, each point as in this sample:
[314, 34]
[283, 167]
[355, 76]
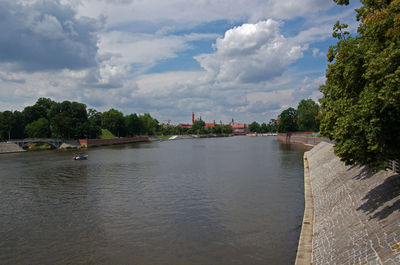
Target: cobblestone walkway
[356, 212]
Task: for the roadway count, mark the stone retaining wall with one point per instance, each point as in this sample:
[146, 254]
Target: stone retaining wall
[356, 211]
[10, 148]
[302, 138]
[101, 142]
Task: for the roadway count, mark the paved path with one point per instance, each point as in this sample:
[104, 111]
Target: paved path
[356, 212]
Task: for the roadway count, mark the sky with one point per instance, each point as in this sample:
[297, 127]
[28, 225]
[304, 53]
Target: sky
[246, 60]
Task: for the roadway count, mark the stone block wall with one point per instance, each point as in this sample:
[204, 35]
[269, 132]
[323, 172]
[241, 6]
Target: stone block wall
[301, 137]
[101, 142]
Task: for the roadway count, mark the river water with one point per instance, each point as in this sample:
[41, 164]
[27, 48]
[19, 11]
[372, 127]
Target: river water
[236, 200]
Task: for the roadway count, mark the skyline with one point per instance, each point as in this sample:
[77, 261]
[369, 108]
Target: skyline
[247, 60]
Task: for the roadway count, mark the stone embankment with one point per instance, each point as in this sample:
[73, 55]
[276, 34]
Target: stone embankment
[10, 148]
[356, 216]
[104, 142]
[306, 138]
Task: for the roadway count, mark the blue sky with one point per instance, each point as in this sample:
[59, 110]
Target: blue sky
[222, 59]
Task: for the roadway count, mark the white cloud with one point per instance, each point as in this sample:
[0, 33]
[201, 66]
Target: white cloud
[247, 77]
[250, 53]
[192, 12]
[318, 53]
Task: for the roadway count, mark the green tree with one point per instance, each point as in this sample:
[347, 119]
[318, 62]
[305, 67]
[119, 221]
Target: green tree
[148, 125]
[113, 120]
[264, 128]
[38, 129]
[254, 127]
[272, 126]
[361, 96]
[39, 110]
[94, 124]
[307, 112]
[227, 129]
[7, 124]
[288, 121]
[68, 120]
[217, 129]
[198, 127]
[132, 124]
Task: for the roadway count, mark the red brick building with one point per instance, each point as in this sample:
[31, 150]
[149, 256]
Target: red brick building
[240, 129]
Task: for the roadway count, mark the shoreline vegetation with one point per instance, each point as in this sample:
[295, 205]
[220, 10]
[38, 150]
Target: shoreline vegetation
[10, 147]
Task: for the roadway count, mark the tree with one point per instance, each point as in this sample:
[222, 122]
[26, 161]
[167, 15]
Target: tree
[113, 120]
[307, 112]
[132, 124]
[68, 120]
[272, 126]
[39, 110]
[7, 123]
[148, 125]
[227, 129]
[288, 121]
[254, 127]
[361, 96]
[198, 126]
[217, 129]
[94, 123]
[38, 129]
[263, 128]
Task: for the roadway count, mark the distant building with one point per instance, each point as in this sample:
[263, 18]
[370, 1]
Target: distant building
[210, 124]
[240, 129]
[187, 126]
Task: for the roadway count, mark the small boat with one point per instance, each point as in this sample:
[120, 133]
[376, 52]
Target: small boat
[80, 157]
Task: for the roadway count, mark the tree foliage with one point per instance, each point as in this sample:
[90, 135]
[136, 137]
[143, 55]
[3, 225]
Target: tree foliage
[288, 121]
[68, 120]
[254, 127]
[198, 127]
[307, 112]
[148, 124]
[361, 96]
[38, 129]
[113, 120]
[94, 124]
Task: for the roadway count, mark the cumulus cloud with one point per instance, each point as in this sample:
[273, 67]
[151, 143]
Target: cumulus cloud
[251, 53]
[66, 54]
[46, 35]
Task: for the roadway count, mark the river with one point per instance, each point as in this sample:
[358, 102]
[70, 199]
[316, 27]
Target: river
[236, 200]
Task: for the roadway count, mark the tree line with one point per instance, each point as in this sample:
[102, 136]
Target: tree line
[71, 120]
[305, 118]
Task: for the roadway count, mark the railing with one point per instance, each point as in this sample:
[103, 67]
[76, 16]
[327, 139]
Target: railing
[394, 165]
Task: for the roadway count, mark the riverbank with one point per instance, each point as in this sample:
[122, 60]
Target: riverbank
[195, 136]
[356, 217]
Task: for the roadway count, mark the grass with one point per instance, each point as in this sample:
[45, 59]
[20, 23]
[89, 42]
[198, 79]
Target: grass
[106, 134]
[166, 137]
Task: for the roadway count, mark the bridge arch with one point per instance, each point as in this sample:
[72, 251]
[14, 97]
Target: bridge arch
[55, 143]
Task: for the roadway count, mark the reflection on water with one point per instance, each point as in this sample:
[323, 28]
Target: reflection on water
[232, 200]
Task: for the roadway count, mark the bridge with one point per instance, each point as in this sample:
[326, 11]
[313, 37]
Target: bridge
[56, 143]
